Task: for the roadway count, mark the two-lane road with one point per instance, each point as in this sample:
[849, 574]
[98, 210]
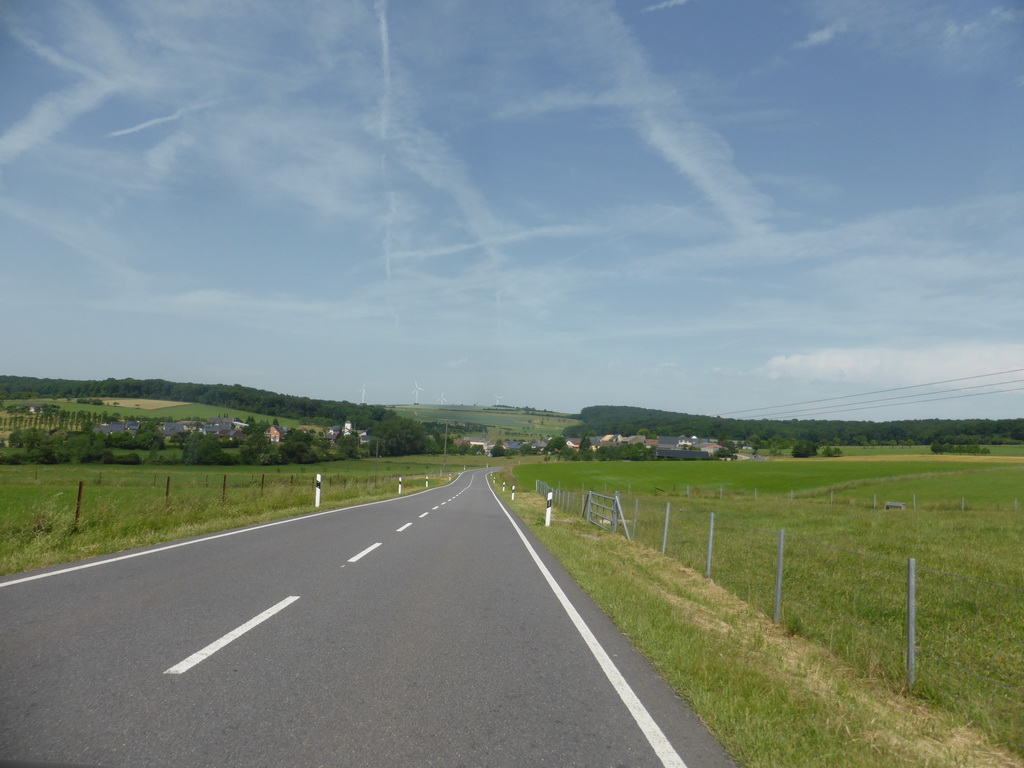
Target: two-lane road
[426, 630]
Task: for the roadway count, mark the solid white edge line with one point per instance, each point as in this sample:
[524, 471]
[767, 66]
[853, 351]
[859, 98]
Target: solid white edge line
[216, 645]
[654, 735]
[365, 552]
[399, 530]
[249, 529]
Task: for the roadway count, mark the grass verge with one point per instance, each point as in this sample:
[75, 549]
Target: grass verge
[128, 509]
[771, 698]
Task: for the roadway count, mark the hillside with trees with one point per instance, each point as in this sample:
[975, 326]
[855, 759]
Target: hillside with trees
[234, 396]
[628, 420]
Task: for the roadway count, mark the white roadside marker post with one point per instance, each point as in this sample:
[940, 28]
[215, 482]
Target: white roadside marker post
[513, 493]
[318, 478]
[399, 486]
[547, 515]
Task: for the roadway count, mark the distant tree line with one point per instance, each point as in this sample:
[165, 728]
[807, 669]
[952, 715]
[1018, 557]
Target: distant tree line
[778, 434]
[41, 440]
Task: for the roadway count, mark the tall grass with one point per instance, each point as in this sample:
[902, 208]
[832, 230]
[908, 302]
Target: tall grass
[42, 522]
[845, 576]
[771, 697]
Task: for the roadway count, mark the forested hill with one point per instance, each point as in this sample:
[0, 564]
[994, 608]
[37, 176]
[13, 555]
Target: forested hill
[628, 420]
[233, 396]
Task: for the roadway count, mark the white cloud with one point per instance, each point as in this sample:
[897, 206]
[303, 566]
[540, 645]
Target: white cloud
[943, 34]
[49, 116]
[666, 4]
[823, 35]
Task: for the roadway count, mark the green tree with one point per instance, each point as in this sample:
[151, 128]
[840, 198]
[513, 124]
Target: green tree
[805, 449]
[555, 444]
[298, 447]
[401, 436]
[728, 451]
[203, 449]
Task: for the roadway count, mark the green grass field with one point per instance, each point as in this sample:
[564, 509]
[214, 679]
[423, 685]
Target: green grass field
[845, 569]
[130, 408]
[508, 424]
[773, 698]
[125, 507]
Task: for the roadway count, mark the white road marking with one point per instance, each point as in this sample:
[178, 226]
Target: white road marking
[215, 646]
[426, 513]
[438, 506]
[655, 736]
[399, 530]
[365, 552]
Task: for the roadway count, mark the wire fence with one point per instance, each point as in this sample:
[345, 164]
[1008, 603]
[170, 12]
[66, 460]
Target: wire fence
[946, 637]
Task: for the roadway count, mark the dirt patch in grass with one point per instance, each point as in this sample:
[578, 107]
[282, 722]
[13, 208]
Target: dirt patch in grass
[145, 405]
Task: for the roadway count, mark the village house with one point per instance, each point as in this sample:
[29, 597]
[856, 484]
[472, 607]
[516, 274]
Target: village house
[276, 433]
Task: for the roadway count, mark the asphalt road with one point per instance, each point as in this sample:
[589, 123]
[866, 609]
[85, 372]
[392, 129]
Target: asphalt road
[429, 630]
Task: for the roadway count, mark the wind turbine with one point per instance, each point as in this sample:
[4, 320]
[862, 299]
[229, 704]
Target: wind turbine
[498, 399]
[362, 400]
[442, 401]
[416, 393]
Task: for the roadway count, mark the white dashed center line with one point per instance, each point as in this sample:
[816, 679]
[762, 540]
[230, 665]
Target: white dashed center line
[365, 552]
[216, 645]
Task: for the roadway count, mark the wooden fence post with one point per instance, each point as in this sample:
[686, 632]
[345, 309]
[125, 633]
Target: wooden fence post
[78, 505]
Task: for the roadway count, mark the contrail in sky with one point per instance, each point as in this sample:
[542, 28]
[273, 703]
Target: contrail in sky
[159, 120]
[381, 8]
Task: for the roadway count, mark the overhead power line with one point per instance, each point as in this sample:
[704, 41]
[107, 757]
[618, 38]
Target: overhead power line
[867, 405]
[776, 411]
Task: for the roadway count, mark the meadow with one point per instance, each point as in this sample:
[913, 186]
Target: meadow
[165, 410]
[845, 571]
[43, 523]
[500, 423]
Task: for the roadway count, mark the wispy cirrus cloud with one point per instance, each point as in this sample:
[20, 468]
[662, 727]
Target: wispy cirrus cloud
[50, 115]
[943, 34]
[822, 36]
[666, 4]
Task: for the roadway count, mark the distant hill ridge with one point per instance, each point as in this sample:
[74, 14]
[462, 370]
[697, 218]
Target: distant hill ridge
[233, 396]
[628, 420]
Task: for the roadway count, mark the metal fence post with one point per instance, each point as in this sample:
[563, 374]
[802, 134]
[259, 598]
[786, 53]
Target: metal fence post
[911, 621]
[636, 513]
[664, 539]
[778, 576]
[711, 539]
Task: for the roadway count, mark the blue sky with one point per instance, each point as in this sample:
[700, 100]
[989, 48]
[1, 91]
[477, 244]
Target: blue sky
[706, 206]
